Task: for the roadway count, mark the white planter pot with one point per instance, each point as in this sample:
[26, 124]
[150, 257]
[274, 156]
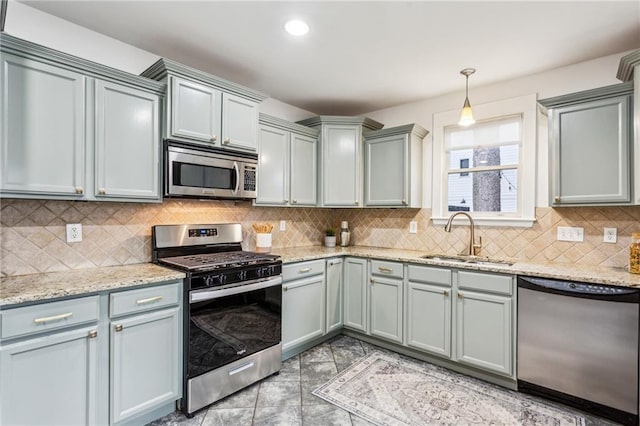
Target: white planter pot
[330, 241]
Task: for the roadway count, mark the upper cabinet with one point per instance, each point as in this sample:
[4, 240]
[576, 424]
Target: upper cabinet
[76, 130]
[591, 146]
[393, 167]
[207, 109]
[341, 161]
[287, 155]
[629, 70]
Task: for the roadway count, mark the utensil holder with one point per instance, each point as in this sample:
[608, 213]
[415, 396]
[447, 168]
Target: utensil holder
[263, 243]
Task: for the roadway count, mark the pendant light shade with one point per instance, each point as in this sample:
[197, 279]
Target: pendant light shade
[466, 116]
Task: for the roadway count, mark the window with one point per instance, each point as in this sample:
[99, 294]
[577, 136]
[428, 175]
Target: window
[487, 169]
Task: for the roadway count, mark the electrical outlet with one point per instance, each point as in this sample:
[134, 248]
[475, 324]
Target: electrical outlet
[283, 225]
[610, 235]
[74, 232]
[413, 227]
[569, 233]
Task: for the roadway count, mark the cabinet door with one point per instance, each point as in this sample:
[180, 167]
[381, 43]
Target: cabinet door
[483, 330]
[273, 169]
[146, 365]
[195, 111]
[304, 160]
[429, 318]
[334, 294]
[127, 142]
[303, 311]
[590, 153]
[239, 122]
[42, 117]
[341, 166]
[50, 380]
[386, 308]
[386, 171]
[355, 294]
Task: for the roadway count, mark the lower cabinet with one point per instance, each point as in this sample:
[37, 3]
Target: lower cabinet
[355, 294]
[50, 380]
[386, 302]
[484, 333]
[303, 303]
[428, 309]
[334, 295]
[54, 358]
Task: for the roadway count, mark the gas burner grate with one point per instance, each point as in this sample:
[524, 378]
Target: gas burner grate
[213, 261]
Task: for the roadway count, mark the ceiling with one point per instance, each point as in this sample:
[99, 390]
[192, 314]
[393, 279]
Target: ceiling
[363, 56]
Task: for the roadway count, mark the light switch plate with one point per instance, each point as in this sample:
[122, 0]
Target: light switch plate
[570, 233]
[413, 227]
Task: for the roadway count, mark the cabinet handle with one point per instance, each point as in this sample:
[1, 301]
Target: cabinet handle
[295, 201]
[149, 300]
[385, 270]
[460, 295]
[446, 293]
[285, 288]
[101, 191]
[214, 138]
[93, 334]
[79, 190]
[303, 270]
[118, 328]
[53, 318]
[226, 141]
[556, 199]
[404, 202]
[372, 280]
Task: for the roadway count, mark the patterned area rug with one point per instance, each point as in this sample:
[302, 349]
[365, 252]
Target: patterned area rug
[388, 391]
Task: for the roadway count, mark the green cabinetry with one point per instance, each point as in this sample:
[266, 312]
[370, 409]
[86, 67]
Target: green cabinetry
[334, 295]
[386, 302]
[591, 147]
[74, 129]
[287, 163]
[393, 167]
[355, 294]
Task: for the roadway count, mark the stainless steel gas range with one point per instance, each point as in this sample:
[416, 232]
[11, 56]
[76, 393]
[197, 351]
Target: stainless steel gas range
[232, 309]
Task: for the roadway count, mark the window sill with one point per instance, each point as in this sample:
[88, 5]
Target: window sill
[517, 222]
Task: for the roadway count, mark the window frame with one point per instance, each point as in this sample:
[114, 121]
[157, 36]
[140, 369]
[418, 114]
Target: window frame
[525, 106]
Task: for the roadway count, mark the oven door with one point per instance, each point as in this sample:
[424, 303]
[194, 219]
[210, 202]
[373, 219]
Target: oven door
[228, 324]
[203, 174]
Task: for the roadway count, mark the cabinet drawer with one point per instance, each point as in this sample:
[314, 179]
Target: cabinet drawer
[427, 274]
[485, 282]
[387, 269]
[49, 316]
[302, 269]
[145, 299]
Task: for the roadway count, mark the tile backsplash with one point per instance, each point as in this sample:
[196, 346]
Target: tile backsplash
[32, 233]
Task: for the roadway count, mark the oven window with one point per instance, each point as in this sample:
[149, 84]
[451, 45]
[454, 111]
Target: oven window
[224, 330]
[199, 176]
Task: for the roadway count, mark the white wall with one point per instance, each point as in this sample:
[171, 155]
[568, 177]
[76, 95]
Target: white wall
[573, 78]
[33, 25]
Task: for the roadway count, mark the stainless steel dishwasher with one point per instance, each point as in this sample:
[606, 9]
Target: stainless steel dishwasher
[578, 344]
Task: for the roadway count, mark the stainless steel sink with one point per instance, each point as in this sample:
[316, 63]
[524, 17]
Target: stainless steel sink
[467, 259]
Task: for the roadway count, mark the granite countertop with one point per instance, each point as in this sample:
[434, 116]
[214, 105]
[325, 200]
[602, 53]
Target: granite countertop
[40, 287]
[574, 272]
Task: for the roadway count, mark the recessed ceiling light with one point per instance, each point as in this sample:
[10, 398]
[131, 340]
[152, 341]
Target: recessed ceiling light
[296, 27]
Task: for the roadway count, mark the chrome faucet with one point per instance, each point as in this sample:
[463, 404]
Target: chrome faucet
[474, 248]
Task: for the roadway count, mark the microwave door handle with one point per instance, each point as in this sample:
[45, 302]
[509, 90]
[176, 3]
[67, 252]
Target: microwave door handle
[237, 169]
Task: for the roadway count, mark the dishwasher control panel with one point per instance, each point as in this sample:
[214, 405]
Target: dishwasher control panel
[579, 289]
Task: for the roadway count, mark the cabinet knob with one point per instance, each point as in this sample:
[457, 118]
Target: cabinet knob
[556, 199]
[446, 293]
[286, 201]
[356, 202]
[79, 190]
[372, 280]
[118, 328]
[93, 334]
[102, 191]
[285, 288]
[226, 141]
[460, 295]
[214, 138]
[404, 202]
[294, 202]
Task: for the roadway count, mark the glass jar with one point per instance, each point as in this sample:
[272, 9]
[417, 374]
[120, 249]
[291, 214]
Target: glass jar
[634, 253]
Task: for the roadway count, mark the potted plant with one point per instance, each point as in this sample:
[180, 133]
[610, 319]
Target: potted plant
[330, 237]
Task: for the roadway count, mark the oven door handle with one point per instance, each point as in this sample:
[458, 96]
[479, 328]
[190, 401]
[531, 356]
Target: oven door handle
[200, 295]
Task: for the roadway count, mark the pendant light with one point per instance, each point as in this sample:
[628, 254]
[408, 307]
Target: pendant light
[466, 116]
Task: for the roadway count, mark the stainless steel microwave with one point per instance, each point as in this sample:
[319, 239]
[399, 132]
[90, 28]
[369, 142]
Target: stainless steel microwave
[199, 171]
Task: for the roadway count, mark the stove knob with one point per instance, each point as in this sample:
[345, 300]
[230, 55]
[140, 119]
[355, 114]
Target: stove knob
[222, 278]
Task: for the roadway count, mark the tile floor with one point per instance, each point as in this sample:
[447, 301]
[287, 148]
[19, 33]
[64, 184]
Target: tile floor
[286, 399]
